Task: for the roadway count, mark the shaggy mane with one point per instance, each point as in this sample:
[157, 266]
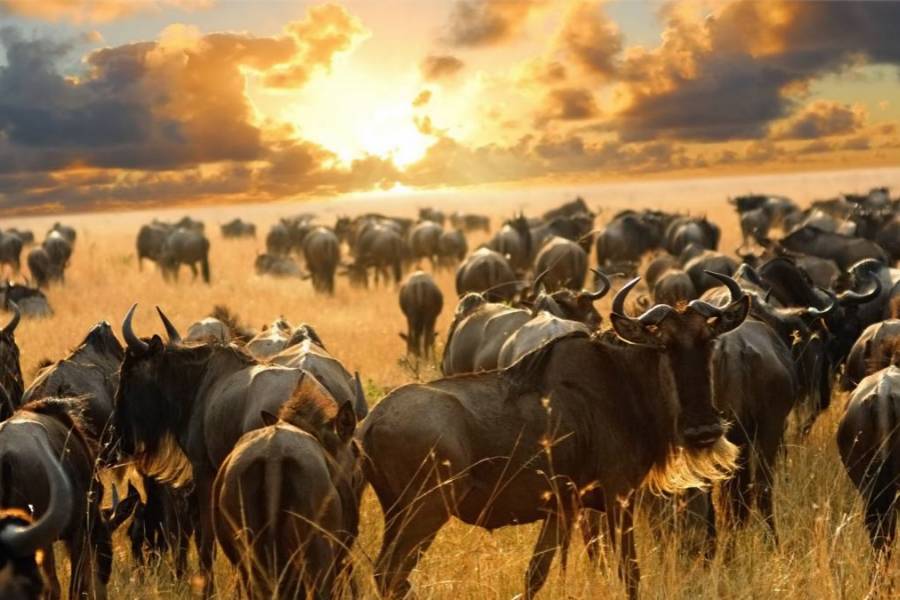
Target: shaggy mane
[684, 469]
[70, 412]
[239, 331]
[310, 412]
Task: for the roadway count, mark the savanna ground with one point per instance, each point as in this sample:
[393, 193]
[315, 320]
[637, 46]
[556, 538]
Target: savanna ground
[824, 552]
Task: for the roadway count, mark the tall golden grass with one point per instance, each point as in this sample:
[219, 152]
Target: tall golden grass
[824, 552]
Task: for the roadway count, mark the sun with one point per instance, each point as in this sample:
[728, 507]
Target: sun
[390, 132]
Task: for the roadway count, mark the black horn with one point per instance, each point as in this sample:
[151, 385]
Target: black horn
[25, 540]
[734, 288]
[618, 305]
[133, 341]
[173, 334]
[853, 297]
[603, 286]
[17, 316]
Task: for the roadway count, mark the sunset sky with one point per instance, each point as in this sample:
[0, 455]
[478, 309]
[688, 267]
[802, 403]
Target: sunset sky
[119, 103]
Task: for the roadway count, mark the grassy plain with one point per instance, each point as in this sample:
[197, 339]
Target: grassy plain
[823, 553]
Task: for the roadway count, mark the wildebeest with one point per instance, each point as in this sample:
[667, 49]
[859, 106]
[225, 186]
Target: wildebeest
[273, 338]
[181, 408]
[869, 445]
[877, 348]
[65, 231]
[513, 240]
[322, 251]
[238, 228]
[563, 264]
[59, 251]
[480, 329]
[286, 502]
[43, 271]
[11, 250]
[487, 272]
[674, 286]
[470, 222]
[421, 301]
[186, 222]
[569, 209]
[621, 244]
[529, 444]
[432, 214]
[188, 247]
[26, 235]
[381, 248]
[424, 241]
[843, 250]
[32, 302]
[706, 261]
[277, 266]
[150, 242]
[12, 385]
[48, 458]
[452, 248]
[683, 231]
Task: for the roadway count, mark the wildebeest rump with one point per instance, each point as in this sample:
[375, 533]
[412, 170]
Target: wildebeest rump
[421, 301]
[869, 445]
[480, 447]
[286, 503]
[487, 272]
[322, 251]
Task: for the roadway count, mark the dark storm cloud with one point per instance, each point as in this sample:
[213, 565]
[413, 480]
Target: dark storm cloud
[731, 75]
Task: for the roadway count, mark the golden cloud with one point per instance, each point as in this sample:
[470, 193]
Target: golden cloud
[93, 11]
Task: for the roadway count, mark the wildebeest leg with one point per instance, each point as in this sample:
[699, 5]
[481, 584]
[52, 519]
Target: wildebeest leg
[206, 535]
[622, 516]
[735, 490]
[881, 511]
[48, 568]
[193, 271]
[554, 533]
[768, 451]
[408, 533]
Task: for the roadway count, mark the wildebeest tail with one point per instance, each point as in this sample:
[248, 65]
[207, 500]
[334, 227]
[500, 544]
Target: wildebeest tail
[274, 487]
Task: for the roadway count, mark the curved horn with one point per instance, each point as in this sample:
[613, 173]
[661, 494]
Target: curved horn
[604, 285]
[173, 334]
[734, 288]
[851, 297]
[812, 311]
[17, 316]
[536, 284]
[655, 314]
[25, 540]
[133, 341]
[618, 304]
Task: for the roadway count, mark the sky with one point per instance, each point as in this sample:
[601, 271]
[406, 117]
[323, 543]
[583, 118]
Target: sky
[108, 104]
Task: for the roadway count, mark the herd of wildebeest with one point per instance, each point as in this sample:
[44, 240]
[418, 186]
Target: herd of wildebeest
[261, 443]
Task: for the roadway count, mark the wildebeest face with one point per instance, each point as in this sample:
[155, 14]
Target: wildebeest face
[141, 414]
[685, 337]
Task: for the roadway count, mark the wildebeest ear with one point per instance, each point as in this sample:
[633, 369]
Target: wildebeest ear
[268, 418]
[732, 316]
[633, 331]
[402, 336]
[345, 422]
[156, 343]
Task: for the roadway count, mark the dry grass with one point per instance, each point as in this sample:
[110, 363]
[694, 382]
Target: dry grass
[824, 551]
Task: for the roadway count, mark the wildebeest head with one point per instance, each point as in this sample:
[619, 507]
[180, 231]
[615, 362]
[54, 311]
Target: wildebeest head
[570, 304]
[685, 334]
[11, 382]
[152, 400]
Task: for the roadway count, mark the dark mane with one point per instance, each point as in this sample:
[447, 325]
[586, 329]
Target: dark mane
[198, 352]
[239, 331]
[69, 412]
[886, 354]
